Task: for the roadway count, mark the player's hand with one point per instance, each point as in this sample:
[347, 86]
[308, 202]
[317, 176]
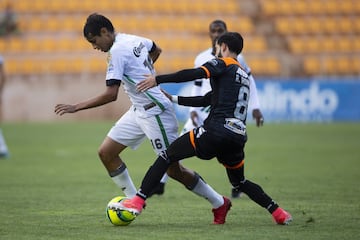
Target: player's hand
[144, 85]
[194, 118]
[257, 115]
[60, 109]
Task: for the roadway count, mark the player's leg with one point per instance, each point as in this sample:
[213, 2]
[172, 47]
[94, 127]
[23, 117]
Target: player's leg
[160, 188]
[123, 134]
[181, 148]
[256, 193]
[167, 134]
[206, 148]
[155, 173]
[109, 154]
[4, 152]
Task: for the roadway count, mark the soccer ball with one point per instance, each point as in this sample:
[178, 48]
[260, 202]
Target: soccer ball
[119, 218]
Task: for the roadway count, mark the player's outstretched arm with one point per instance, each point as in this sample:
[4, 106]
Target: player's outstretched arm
[185, 75]
[109, 95]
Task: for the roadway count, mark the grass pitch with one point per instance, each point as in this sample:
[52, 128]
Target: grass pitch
[54, 187]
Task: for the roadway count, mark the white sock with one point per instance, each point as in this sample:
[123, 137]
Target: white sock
[205, 190]
[164, 178]
[123, 180]
[3, 147]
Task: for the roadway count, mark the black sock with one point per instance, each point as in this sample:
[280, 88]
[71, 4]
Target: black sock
[257, 194]
[154, 175]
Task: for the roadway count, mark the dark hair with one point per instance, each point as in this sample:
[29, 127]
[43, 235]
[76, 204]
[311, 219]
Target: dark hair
[94, 23]
[218, 22]
[233, 40]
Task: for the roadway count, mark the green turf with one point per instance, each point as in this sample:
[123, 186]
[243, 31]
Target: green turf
[54, 187]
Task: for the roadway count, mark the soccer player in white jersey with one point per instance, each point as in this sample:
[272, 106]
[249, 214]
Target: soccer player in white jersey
[4, 152]
[130, 59]
[202, 86]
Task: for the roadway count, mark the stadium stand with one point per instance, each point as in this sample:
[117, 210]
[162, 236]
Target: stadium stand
[282, 37]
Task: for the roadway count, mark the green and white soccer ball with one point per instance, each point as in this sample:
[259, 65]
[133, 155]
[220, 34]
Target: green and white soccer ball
[120, 217]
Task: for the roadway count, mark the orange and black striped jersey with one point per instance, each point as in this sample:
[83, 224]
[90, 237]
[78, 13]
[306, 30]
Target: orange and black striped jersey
[230, 90]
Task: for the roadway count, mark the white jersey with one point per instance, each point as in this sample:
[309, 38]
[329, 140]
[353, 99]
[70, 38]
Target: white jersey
[129, 62]
[202, 86]
[205, 56]
[151, 115]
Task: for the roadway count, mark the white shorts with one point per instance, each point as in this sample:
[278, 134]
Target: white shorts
[131, 129]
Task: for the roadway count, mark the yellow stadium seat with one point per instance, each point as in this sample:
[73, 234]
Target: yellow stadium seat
[39, 5]
[49, 45]
[344, 65]
[297, 45]
[30, 66]
[312, 45]
[313, 7]
[59, 66]
[15, 45]
[96, 65]
[264, 65]
[255, 44]
[3, 45]
[356, 44]
[269, 7]
[356, 66]
[344, 44]
[272, 66]
[33, 24]
[77, 65]
[331, 7]
[345, 25]
[284, 8]
[101, 6]
[329, 25]
[32, 45]
[20, 6]
[339, 65]
[311, 25]
[302, 7]
[328, 45]
[11, 66]
[356, 24]
[312, 65]
[347, 7]
[282, 25]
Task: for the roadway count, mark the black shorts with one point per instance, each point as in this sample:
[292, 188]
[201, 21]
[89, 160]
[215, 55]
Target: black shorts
[227, 149]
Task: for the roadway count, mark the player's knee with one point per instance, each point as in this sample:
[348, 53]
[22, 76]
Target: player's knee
[175, 171]
[103, 155]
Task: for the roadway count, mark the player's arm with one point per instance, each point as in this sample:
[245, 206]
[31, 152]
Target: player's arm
[155, 52]
[254, 103]
[194, 101]
[190, 101]
[185, 75]
[110, 94]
